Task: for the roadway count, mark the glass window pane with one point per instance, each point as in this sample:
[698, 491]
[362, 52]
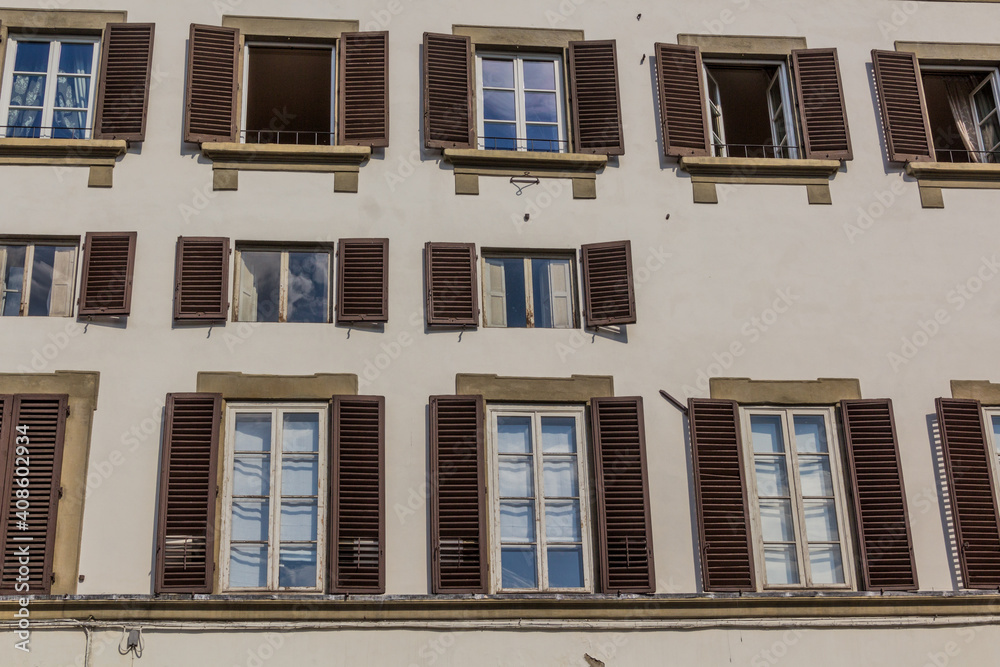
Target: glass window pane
[252, 475]
[776, 520]
[780, 564]
[544, 138]
[499, 136]
[248, 566]
[518, 567]
[517, 306]
[69, 125]
[991, 133]
[72, 92]
[265, 270]
[308, 286]
[540, 108]
[825, 564]
[250, 520]
[561, 478]
[996, 433]
[498, 105]
[539, 75]
[299, 520]
[76, 58]
[498, 73]
[24, 123]
[41, 280]
[13, 279]
[516, 477]
[559, 435]
[815, 476]
[514, 435]
[517, 521]
[767, 435]
[253, 432]
[821, 521]
[562, 521]
[297, 567]
[32, 57]
[300, 432]
[810, 433]
[772, 476]
[299, 475]
[985, 102]
[27, 90]
[565, 567]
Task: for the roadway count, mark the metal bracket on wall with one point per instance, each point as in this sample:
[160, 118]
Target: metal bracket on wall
[523, 182]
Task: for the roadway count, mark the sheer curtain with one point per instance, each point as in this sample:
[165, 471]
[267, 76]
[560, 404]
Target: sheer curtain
[959, 89]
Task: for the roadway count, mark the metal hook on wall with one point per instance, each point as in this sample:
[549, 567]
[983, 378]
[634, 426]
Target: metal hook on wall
[522, 182]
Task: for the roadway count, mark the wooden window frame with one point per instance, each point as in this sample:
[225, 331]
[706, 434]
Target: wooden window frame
[529, 297]
[29, 255]
[283, 278]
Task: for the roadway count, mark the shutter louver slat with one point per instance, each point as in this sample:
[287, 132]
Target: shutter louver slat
[364, 89]
[123, 91]
[213, 68]
[904, 112]
[448, 85]
[608, 285]
[595, 99]
[821, 104]
[683, 117]
[452, 292]
[202, 278]
[108, 264]
[363, 281]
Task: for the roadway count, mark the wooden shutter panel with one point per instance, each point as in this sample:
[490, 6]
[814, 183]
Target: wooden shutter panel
[624, 529]
[212, 81]
[452, 290]
[185, 533]
[721, 496]
[879, 496]
[594, 98]
[973, 489]
[363, 65]
[821, 104]
[123, 91]
[357, 485]
[904, 111]
[458, 494]
[33, 537]
[201, 290]
[683, 116]
[449, 80]
[607, 281]
[108, 265]
[363, 281]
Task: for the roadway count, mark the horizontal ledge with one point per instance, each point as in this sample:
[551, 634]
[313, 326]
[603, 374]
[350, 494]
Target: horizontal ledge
[749, 169]
[265, 165]
[950, 171]
[84, 152]
[277, 155]
[525, 160]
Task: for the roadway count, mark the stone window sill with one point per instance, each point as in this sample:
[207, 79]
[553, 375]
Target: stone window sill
[471, 163]
[98, 154]
[933, 176]
[707, 172]
[230, 158]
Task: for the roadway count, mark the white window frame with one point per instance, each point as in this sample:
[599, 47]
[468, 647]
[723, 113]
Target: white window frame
[274, 525]
[529, 292]
[991, 75]
[29, 262]
[283, 280]
[989, 413]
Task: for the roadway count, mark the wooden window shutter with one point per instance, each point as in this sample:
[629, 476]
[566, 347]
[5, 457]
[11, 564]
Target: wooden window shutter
[886, 545]
[123, 91]
[624, 529]
[452, 290]
[357, 487]
[212, 81]
[458, 494]
[904, 111]
[363, 281]
[973, 489]
[821, 104]
[185, 533]
[45, 416]
[608, 284]
[201, 289]
[721, 496]
[108, 265]
[683, 117]
[594, 98]
[449, 80]
[363, 102]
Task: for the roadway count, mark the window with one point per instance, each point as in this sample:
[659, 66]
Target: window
[37, 279]
[290, 285]
[993, 426]
[529, 291]
[521, 103]
[962, 111]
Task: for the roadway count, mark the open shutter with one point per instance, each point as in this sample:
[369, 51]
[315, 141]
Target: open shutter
[721, 496]
[594, 98]
[450, 277]
[879, 496]
[212, 81]
[973, 489]
[458, 494]
[904, 111]
[363, 103]
[681, 85]
[123, 92]
[201, 289]
[607, 281]
[108, 265]
[449, 80]
[821, 104]
[185, 533]
[363, 281]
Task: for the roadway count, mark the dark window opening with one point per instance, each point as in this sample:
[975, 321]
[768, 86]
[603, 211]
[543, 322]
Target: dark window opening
[288, 95]
[748, 111]
[961, 109]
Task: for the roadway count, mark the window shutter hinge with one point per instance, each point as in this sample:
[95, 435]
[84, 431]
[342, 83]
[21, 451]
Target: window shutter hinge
[52, 578]
[67, 410]
[62, 491]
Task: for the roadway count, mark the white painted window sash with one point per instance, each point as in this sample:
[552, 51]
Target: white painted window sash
[992, 81]
[990, 414]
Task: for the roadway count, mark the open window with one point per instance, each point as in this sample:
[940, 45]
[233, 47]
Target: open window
[37, 278]
[533, 291]
[962, 108]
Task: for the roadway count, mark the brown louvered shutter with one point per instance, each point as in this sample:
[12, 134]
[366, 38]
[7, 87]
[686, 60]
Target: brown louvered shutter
[123, 92]
[683, 117]
[185, 534]
[721, 496]
[363, 281]
[363, 102]
[879, 496]
[594, 98]
[357, 486]
[201, 290]
[452, 292]
[31, 536]
[904, 111]
[973, 490]
[821, 104]
[458, 500]
[449, 80]
[108, 264]
[608, 285]
[624, 529]
[212, 81]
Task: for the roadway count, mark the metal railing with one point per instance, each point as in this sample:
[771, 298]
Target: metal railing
[38, 132]
[293, 137]
[966, 156]
[523, 144]
[755, 150]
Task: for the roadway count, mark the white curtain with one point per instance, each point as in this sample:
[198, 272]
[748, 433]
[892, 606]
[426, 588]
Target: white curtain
[959, 89]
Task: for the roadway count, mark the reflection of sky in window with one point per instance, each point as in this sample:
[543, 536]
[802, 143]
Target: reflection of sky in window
[41, 280]
[308, 280]
[517, 307]
[265, 267]
[13, 279]
[539, 75]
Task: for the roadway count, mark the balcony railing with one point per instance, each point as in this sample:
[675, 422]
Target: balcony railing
[292, 137]
[755, 151]
[523, 144]
[37, 132]
[966, 156]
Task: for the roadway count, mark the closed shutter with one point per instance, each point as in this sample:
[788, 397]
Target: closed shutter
[201, 290]
[624, 529]
[108, 265]
[213, 67]
[973, 489]
[458, 491]
[681, 87]
[821, 104]
[123, 92]
[363, 64]
[28, 532]
[594, 98]
[450, 277]
[357, 537]
[607, 282]
[448, 84]
[363, 281]
[904, 111]
[879, 496]
[721, 496]
[185, 534]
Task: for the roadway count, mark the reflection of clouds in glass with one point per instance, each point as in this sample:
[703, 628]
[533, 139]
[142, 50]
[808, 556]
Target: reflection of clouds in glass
[41, 280]
[265, 267]
[308, 278]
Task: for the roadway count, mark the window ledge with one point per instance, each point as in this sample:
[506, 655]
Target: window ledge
[471, 163]
[98, 154]
[933, 176]
[229, 158]
[707, 172]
